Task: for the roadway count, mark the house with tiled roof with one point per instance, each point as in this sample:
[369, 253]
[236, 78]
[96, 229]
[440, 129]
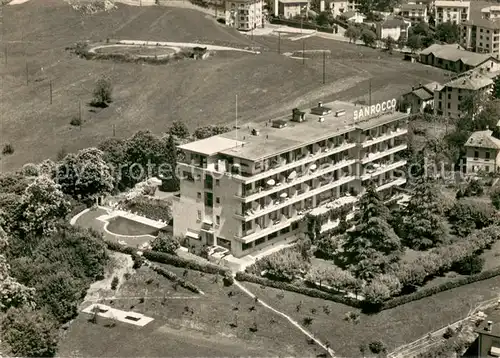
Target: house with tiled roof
[414, 12]
[422, 97]
[455, 58]
[394, 27]
[482, 152]
[447, 101]
[353, 16]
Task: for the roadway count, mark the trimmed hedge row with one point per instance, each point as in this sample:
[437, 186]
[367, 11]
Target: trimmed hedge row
[426, 292]
[132, 251]
[173, 277]
[241, 276]
[185, 263]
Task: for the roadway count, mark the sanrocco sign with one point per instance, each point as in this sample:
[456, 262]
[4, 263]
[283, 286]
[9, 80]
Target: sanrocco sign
[375, 109]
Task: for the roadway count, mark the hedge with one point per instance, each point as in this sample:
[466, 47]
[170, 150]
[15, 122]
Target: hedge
[185, 263]
[154, 209]
[311, 292]
[173, 277]
[304, 25]
[426, 292]
[132, 251]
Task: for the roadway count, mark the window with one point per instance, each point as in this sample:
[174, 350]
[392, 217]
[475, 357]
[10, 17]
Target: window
[487, 168]
[198, 195]
[487, 155]
[209, 200]
[217, 220]
[217, 182]
[245, 247]
[476, 154]
[449, 105]
[217, 200]
[199, 215]
[449, 95]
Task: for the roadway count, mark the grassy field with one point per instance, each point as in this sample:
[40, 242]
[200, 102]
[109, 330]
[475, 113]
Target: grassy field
[394, 327]
[185, 324]
[152, 96]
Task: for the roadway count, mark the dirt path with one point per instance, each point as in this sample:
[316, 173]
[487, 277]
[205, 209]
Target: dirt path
[292, 321]
[120, 264]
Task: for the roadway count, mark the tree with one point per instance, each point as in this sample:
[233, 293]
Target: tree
[414, 42]
[323, 19]
[179, 130]
[373, 245]
[467, 215]
[495, 197]
[421, 28]
[401, 42]
[102, 93]
[165, 243]
[42, 205]
[30, 333]
[470, 265]
[424, 221]
[447, 32]
[496, 88]
[389, 44]
[12, 293]
[170, 180]
[210, 131]
[368, 37]
[352, 33]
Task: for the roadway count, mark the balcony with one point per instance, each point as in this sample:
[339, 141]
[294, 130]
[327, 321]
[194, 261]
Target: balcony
[258, 193]
[392, 134]
[306, 158]
[337, 203]
[370, 157]
[275, 226]
[302, 194]
[397, 182]
[383, 169]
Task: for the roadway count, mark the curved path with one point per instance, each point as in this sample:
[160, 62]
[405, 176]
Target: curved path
[183, 44]
[291, 320]
[175, 49]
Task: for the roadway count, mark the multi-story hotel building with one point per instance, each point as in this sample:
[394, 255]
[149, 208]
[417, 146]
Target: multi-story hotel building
[244, 15]
[483, 35]
[451, 11]
[251, 187]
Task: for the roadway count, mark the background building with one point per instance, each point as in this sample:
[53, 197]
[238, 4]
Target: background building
[482, 153]
[292, 8]
[451, 11]
[421, 97]
[244, 15]
[250, 188]
[393, 27]
[338, 7]
[483, 35]
[414, 12]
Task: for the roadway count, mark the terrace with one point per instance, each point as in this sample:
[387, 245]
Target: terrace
[381, 168]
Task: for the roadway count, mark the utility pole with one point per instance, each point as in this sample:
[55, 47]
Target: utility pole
[236, 117]
[303, 51]
[370, 93]
[324, 62]
[27, 79]
[5, 53]
[114, 130]
[279, 43]
[80, 111]
[50, 85]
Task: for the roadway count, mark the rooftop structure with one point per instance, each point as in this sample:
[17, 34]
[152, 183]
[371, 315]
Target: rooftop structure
[483, 139]
[251, 187]
[451, 11]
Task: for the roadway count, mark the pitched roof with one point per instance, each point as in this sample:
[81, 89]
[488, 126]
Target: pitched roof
[413, 7]
[473, 81]
[393, 22]
[349, 14]
[483, 139]
[454, 53]
[426, 92]
[433, 86]
[423, 94]
[480, 22]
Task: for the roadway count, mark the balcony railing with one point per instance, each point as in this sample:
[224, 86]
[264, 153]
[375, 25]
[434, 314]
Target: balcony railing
[384, 137]
[370, 157]
[258, 193]
[321, 153]
[283, 223]
[277, 205]
[397, 182]
[383, 169]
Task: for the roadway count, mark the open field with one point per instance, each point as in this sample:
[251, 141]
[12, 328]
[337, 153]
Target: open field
[152, 96]
[394, 327]
[136, 50]
[185, 324]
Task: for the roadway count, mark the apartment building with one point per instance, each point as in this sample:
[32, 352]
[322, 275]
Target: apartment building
[338, 7]
[292, 8]
[447, 101]
[482, 152]
[455, 58]
[451, 11]
[250, 188]
[394, 27]
[244, 15]
[483, 35]
[414, 12]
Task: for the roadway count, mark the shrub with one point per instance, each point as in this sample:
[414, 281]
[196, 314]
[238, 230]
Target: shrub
[76, 122]
[102, 93]
[114, 283]
[495, 197]
[209, 131]
[154, 209]
[176, 279]
[467, 215]
[448, 333]
[165, 243]
[377, 347]
[8, 149]
[470, 265]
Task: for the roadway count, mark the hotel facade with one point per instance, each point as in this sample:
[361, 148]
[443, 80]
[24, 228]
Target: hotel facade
[250, 188]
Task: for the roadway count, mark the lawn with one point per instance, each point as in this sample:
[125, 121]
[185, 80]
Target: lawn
[394, 327]
[152, 96]
[189, 325]
[136, 50]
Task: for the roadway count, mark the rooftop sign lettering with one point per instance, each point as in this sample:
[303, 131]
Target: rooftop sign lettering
[379, 108]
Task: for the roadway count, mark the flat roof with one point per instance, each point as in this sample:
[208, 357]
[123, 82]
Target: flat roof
[448, 3]
[212, 145]
[273, 141]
